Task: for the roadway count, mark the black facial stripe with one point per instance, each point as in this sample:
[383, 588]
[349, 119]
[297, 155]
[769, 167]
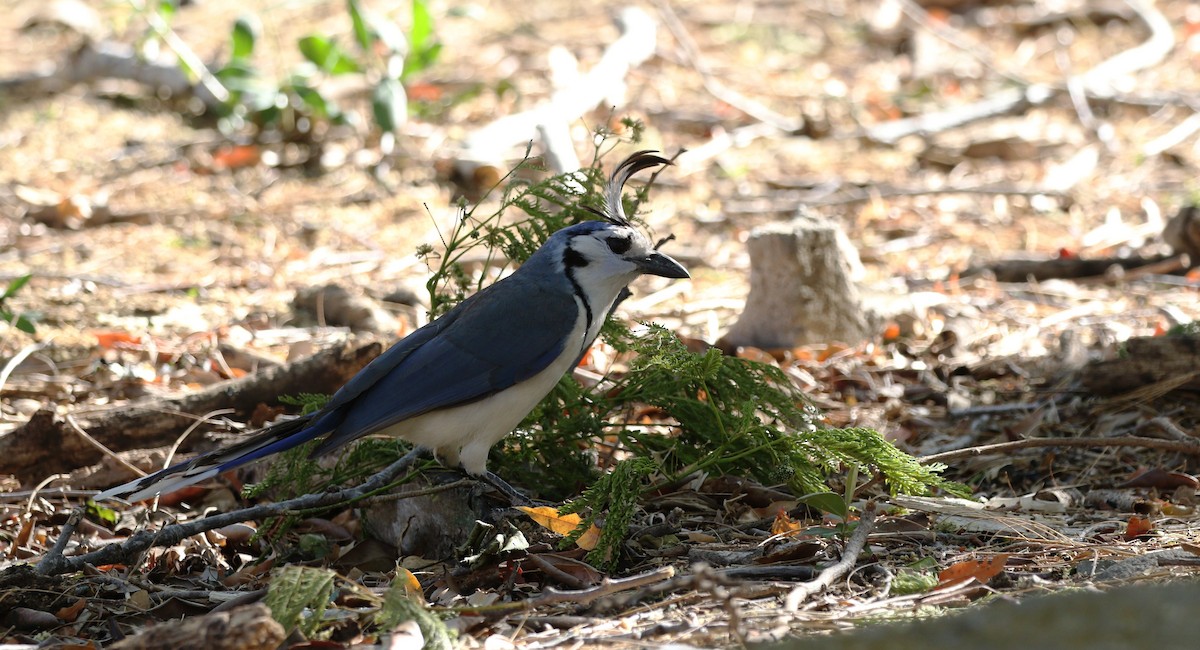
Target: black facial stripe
[573, 259]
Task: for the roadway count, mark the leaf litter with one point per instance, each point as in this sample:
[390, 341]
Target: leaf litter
[144, 306]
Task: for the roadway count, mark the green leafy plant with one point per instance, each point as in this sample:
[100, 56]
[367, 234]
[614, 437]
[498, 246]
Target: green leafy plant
[20, 321]
[296, 105]
[398, 608]
[615, 496]
[295, 589]
[719, 414]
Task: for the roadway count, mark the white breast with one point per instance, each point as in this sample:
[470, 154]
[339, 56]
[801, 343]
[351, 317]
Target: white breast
[464, 434]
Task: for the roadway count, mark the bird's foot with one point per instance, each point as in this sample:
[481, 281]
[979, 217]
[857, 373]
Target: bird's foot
[514, 497]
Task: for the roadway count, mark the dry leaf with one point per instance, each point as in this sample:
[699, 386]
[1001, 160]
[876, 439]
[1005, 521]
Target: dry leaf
[588, 540]
[1136, 527]
[548, 517]
[784, 524]
[108, 339]
[981, 570]
[72, 611]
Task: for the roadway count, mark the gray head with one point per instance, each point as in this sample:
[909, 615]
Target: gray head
[602, 257]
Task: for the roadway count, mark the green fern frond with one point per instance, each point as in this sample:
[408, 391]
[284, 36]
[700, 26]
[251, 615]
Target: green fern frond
[610, 504]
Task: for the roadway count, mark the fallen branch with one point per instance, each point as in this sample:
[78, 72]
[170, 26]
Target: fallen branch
[47, 444]
[491, 143]
[1077, 268]
[94, 61]
[835, 571]
[1192, 448]
[1096, 83]
[54, 563]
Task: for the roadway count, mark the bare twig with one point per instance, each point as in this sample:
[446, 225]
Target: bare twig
[582, 597]
[70, 419]
[1192, 448]
[835, 571]
[208, 80]
[436, 489]
[1176, 135]
[68, 529]
[1173, 430]
[33, 494]
[714, 86]
[607, 587]
[1096, 83]
[554, 572]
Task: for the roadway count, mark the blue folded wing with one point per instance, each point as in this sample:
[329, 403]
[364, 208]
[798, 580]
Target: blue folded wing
[502, 336]
[505, 335]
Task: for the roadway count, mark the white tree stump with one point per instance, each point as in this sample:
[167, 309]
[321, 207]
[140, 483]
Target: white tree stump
[802, 287]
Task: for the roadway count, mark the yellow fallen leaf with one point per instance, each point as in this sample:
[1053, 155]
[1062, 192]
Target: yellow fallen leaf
[784, 524]
[548, 517]
[587, 541]
[412, 586]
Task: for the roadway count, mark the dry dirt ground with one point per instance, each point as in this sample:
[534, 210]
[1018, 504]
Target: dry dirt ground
[200, 255]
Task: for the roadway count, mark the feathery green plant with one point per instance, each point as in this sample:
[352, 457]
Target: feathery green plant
[724, 415]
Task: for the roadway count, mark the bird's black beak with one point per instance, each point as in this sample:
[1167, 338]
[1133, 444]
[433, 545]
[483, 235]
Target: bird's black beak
[663, 265]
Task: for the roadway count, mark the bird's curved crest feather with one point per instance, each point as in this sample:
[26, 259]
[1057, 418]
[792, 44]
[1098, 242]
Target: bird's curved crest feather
[613, 210]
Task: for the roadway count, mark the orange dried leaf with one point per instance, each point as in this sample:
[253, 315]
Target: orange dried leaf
[23, 535]
[107, 339]
[784, 524]
[412, 586]
[71, 612]
[981, 570]
[237, 156]
[1137, 527]
[548, 517]
[423, 92]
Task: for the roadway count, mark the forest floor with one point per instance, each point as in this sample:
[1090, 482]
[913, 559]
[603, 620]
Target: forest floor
[163, 261]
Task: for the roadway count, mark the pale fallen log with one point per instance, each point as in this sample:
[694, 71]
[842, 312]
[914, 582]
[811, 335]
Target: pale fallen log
[492, 143]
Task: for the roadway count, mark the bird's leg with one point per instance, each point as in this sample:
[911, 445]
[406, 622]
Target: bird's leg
[515, 498]
[472, 460]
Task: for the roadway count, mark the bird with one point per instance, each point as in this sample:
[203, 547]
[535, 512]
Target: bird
[459, 384]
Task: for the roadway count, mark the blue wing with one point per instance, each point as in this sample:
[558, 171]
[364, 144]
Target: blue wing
[486, 344]
[502, 336]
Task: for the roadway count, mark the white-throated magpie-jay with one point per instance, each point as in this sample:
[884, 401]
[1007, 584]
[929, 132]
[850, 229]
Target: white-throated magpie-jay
[464, 381]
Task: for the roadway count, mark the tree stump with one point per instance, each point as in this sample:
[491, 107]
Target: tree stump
[802, 287]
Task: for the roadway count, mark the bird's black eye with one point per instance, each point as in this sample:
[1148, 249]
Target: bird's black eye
[619, 245]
